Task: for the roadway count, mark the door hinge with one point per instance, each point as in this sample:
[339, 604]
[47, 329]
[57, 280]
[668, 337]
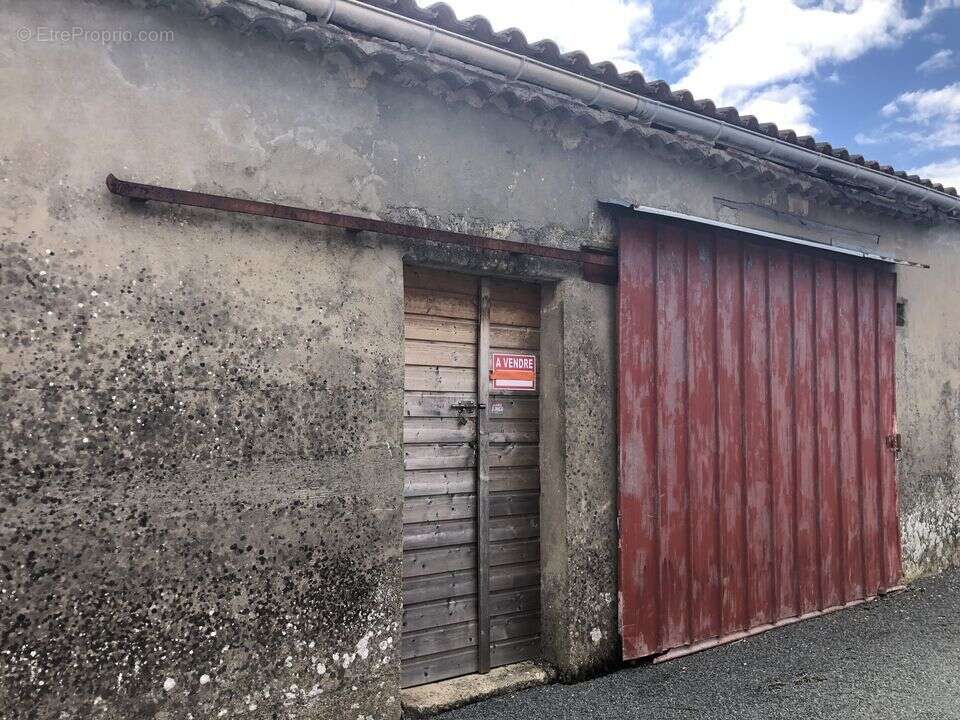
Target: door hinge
[895, 443]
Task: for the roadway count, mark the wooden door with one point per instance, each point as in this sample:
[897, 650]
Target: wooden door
[471, 552]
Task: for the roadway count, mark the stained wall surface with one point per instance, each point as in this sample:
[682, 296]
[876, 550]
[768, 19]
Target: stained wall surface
[201, 465]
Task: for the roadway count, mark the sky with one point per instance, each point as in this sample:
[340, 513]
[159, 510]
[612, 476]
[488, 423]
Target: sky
[878, 77]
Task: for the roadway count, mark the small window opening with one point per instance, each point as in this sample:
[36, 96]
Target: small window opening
[901, 313]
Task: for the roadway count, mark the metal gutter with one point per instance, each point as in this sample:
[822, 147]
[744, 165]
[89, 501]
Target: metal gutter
[840, 249]
[596, 267]
[378, 22]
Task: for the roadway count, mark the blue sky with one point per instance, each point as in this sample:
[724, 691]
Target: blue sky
[879, 77]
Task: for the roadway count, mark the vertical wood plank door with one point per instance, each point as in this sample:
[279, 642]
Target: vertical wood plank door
[756, 411]
[471, 553]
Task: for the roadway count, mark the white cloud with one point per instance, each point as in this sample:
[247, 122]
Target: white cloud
[787, 105]
[603, 30]
[890, 109]
[753, 43]
[932, 5]
[946, 172]
[916, 137]
[926, 105]
[946, 135]
[674, 42]
[942, 60]
[669, 43]
[758, 55]
[921, 120]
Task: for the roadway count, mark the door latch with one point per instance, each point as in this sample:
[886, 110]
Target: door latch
[463, 407]
[895, 443]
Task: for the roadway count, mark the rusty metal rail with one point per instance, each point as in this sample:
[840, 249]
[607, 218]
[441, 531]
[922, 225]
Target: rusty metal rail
[595, 267]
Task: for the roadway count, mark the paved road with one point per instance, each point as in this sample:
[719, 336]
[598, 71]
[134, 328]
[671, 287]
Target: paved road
[895, 658]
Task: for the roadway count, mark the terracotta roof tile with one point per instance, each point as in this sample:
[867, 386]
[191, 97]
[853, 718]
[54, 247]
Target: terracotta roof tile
[547, 51]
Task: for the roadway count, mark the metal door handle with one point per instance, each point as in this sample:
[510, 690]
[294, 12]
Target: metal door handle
[462, 407]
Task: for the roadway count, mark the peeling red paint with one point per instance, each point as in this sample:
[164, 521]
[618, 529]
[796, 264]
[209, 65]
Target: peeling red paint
[756, 391]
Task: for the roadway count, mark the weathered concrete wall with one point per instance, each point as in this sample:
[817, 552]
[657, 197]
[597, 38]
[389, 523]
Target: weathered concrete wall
[579, 478]
[201, 464]
[200, 470]
[928, 401]
[270, 496]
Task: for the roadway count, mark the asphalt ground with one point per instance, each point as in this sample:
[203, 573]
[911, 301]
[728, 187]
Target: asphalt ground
[897, 657]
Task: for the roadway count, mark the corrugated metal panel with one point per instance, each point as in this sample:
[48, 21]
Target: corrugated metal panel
[756, 394]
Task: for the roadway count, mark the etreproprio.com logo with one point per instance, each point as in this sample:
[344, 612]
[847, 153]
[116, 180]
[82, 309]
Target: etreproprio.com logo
[92, 35]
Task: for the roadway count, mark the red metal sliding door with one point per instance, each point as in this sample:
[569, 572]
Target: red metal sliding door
[756, 396]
